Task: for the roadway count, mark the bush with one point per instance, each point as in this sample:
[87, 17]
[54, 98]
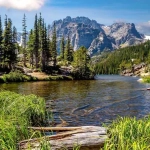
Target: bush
[15, 76]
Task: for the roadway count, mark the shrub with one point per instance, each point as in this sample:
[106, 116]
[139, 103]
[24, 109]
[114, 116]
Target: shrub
[15, 76]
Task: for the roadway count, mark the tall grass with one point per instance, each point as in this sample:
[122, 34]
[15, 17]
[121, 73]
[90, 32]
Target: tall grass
[17, 112]
[129, 134]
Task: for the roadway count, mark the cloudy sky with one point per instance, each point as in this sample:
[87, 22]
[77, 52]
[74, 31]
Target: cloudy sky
[103, 11]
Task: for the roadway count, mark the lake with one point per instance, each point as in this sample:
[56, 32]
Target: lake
[90, 102]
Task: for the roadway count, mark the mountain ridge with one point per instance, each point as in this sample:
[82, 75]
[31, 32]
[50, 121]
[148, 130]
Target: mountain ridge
[97, 37]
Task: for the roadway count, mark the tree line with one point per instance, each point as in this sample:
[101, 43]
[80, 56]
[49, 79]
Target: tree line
[123, 58]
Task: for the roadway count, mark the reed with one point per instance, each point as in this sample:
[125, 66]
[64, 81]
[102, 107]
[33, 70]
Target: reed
[17, 112]
[129, 134]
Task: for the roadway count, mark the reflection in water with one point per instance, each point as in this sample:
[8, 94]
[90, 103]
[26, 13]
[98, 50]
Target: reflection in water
[90, 102]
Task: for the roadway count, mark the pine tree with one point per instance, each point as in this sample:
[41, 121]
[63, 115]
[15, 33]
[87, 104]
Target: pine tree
[9, 45]
[49, 44]
[5, 39]
[81, 62]
[54, 45]
[36, 42]
[14, 34]
[1, 40]
[47, 55]
[62, 48]
[24, 37]
[40, 29]
[31, 47]
[68, 55]
[43, 45]
[14, 40]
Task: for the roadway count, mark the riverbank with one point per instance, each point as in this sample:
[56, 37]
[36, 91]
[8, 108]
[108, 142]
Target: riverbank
[35, 76]
[17, 76]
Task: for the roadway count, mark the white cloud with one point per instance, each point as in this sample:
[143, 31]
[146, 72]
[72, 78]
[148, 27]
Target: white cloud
[144, 28]
[22, 4]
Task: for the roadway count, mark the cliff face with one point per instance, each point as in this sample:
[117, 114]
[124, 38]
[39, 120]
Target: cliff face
[97, 37]
[123, 33]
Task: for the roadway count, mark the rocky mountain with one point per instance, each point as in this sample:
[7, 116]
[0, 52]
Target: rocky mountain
[97, 37]
[94, 36]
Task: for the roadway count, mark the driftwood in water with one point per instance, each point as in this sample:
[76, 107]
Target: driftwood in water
[87, 137]
[54, 128]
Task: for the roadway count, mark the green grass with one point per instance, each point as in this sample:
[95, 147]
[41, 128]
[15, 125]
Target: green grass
[146, 79]
[17, 112]
[59, 77]
[15, 76]
[129, 134]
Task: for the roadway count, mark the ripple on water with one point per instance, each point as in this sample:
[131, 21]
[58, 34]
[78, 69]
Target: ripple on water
[90, 102]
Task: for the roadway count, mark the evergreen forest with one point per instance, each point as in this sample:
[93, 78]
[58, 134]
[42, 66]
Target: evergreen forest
[39, 50]
[124, 58]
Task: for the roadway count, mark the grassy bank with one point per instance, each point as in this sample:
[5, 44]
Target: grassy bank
[129, 134]
[17, 112]
[17, 76]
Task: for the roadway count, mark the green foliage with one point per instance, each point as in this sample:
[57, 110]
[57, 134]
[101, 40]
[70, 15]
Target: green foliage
[62, 48]
[146, 79]
[15, 76]
[24, 37]
[39, 51]
[54, 45]
[81, 64]
[17, 113]
[9, 55]
[129, 134]
[68, 53]
[58, 77]
[123, 58]
[1, 39]
[30, 47]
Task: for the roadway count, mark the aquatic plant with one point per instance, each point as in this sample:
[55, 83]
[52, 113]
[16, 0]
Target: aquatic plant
[129, 134]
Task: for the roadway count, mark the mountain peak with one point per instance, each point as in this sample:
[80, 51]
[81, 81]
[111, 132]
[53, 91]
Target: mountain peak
[97, 37]
[68, 18]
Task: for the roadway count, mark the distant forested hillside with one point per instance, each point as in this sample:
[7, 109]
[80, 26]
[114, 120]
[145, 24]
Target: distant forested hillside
[124, 58]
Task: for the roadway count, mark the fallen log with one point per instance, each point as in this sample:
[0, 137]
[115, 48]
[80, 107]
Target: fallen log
[54, 128]
[87, 137]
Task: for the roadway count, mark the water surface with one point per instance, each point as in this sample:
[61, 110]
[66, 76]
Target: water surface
[91, 102]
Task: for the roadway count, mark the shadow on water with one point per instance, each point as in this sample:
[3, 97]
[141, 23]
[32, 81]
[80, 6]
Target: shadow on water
[90, 102]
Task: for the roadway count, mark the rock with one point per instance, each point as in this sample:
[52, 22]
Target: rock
[86, 137]
[136, 70]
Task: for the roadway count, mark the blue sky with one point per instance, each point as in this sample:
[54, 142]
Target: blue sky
[103, 11]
